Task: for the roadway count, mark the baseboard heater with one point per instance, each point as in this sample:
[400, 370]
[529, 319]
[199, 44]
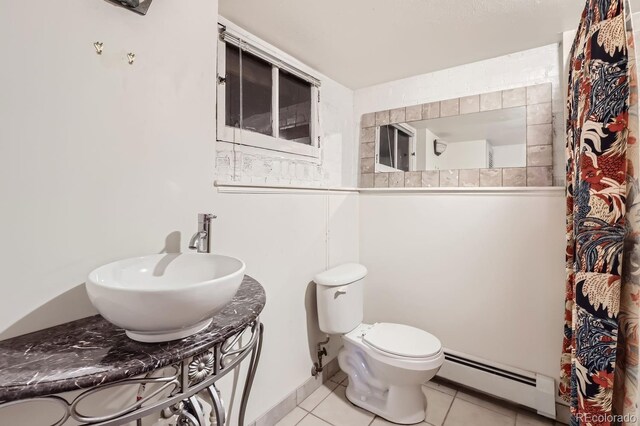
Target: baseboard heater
[519, 386]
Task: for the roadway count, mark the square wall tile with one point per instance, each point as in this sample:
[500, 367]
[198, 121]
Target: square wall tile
[469, 177]
[382, 118]
[381, 180]
[278, 412]
[368, 150]
[448, 178]
[431, 110]
[491, 177]
[490, 101]
[539, 94]
[413, 113]
[367, 165]
[470, 104]
[368, 120]
[514, 97]
[539, 134]
[366, 180]
[368, 134]
[397, 115]
[396, 180]
[430, 178]
[516, 176]
[413, 179]
[317, 396]
[540, 176]
[449, 108]
[539, 114]
[540, 155]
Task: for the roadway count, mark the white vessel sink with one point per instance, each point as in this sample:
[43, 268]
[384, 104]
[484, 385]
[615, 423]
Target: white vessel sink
[164, 297]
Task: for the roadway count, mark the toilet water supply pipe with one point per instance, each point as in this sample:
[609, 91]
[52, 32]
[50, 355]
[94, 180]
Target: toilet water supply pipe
[322, 352]
[354, 365]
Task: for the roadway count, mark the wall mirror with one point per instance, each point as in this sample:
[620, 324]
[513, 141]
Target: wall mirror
[495, 139]
[483, 140]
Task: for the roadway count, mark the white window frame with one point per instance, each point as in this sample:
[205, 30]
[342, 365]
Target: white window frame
[246, 137]
[412, 149]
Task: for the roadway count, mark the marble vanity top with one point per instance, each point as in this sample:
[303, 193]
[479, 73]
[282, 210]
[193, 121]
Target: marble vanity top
[91, 351]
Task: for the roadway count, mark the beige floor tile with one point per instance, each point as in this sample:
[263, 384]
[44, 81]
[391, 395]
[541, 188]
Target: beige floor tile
[487, 402]
[318, 395]
[438, 404]
[532, 419]
[463, 413]
[293, 418]
[339, 377]
[379, 421]
[311, 420]
[442, 387]
[338, 411]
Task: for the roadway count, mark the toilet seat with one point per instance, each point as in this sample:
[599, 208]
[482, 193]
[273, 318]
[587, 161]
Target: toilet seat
[357, 337]
[402, 340]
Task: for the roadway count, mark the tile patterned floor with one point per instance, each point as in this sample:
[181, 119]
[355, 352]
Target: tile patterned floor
[447, 406]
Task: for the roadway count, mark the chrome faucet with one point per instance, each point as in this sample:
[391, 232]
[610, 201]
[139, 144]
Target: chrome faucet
[201, 240]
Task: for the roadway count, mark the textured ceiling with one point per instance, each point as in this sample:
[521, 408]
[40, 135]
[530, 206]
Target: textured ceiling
[364, 42]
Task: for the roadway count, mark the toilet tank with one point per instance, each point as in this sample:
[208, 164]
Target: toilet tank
[339, 298]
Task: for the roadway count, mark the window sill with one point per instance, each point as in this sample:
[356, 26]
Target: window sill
[247, 138]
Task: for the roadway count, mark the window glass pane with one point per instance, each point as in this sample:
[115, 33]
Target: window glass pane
[232, 86]
[295, 108]
[403, 151]
[385, 155]
[256, 94]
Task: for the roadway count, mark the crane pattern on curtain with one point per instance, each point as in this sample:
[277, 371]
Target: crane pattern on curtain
[599, 375]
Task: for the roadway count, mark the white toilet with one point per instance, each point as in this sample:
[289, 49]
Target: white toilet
[386, 363]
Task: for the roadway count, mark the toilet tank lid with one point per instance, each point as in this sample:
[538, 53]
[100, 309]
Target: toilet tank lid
[341, 275]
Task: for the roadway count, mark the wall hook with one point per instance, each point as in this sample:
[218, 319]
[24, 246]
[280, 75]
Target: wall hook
[132, 57]
[98, 46]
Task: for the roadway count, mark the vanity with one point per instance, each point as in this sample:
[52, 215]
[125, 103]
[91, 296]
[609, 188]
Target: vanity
[90, 356]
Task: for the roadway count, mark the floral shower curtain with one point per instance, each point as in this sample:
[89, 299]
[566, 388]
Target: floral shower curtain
[599, 375]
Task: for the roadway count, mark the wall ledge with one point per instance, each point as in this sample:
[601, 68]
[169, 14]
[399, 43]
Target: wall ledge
[558, 191]
[252, 188]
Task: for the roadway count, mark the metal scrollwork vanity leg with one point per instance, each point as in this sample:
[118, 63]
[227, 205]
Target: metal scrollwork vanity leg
[217, 405]
[195, 409]
[251, 372]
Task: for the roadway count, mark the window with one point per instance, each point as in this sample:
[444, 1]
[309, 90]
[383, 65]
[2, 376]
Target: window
[395, 148]
[263, 101]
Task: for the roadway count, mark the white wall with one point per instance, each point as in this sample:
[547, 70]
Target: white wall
[461, 155]
[484, 273]
[510, 155]
[529, 67]
[100, 160]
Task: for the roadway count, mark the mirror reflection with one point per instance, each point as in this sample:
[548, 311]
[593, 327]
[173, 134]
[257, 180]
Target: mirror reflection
[489, 139]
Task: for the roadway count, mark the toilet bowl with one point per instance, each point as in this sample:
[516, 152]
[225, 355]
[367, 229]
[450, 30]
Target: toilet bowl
[386, 363]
